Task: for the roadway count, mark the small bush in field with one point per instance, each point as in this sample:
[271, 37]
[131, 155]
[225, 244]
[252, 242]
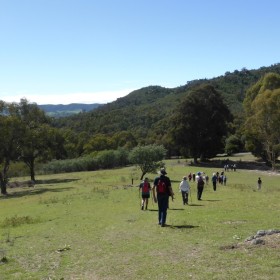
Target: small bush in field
[17, 221]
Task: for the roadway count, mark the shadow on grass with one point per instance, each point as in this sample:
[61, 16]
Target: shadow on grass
[33, 191]
[181, 226]
[54, 181]
[193, 204]
[212, 200]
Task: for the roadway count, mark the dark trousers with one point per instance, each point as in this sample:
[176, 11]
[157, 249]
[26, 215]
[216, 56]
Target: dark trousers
[214, 185]
[162, 208]
[185, 197]
[199, 192]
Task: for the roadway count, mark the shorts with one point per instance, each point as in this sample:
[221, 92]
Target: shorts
[145, 195]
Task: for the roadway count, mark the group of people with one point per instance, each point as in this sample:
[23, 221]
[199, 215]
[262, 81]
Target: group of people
[162, 190]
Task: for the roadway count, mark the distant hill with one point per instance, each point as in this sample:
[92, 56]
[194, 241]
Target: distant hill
[146, 112]
[61, 110]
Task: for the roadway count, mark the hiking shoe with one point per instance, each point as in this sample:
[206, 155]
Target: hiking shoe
[142, 207]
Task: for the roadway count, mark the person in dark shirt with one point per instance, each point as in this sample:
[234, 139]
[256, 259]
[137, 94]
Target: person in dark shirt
[161, 191]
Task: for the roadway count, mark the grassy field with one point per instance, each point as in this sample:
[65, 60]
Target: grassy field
[89, 226]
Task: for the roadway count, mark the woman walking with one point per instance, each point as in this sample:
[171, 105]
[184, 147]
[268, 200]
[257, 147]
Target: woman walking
[184, 188]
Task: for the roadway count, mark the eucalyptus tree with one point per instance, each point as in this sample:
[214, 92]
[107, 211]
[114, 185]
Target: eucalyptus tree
[262, 125]
[26, 135]
[200, 123]
[10, 138]
[40, 141]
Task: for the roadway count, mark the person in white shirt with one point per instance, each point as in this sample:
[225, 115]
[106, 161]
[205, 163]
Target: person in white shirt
[184, 188]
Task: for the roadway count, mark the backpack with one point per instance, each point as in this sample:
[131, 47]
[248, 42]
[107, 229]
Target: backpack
[161, 187]
[145, 188]
[200, 181]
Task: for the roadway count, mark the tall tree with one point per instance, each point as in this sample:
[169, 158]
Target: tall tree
[200, 123]
[11, 133]
[262, 125]
[39, 141]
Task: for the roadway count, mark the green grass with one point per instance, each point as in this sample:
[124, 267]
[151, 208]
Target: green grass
[89, 225]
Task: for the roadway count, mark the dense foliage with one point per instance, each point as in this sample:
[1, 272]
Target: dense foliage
[145, 113]
[147, 158]
[200, 123]
[262, 125]
[26, 135]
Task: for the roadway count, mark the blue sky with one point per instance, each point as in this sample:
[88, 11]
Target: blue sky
[88, 51]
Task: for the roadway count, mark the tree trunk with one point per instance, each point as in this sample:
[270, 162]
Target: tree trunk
[202, 159]
[3, 184]
[4, 177]
[32, 171]
[142, 176]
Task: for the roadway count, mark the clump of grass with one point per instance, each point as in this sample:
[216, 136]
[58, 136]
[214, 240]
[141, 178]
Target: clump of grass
[123, 179]
[17, 221]
[50, 200]
[104, 192]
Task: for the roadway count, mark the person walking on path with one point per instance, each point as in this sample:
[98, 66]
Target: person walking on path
[184, 188]
[259, 183]
[145, 188]
[161, 190]
[214, 181]
[200, 187]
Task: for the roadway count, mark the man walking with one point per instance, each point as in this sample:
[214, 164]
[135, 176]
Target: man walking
[214, 181]
[200, 187]
[161, 191]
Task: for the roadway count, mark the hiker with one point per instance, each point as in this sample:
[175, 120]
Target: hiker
[214, 181]
[162, 186]
[225, 180]
[145, 186]
[184, 188]
[200, 187]
[190, 176]
[259, 184]
[206, 179]
[193, 176]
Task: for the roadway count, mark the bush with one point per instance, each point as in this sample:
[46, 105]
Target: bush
[101, 160]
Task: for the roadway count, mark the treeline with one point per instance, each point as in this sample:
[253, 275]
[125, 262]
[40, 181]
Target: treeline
[235, 112]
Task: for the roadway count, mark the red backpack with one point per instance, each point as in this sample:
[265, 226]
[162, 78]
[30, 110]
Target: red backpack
[161, 187]
[145, 188]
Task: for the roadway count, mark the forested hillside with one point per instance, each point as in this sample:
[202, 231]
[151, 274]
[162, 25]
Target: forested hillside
[145, 112]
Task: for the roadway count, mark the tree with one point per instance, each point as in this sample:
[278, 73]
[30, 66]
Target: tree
[147, 158]
[98, 142]
[11, 133]
[233, 145]
[200, 123]
[38, 140]
[262, 125]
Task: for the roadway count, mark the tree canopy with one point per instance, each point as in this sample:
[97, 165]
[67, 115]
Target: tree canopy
[262, 125]
[199, 124]
[147, 158]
